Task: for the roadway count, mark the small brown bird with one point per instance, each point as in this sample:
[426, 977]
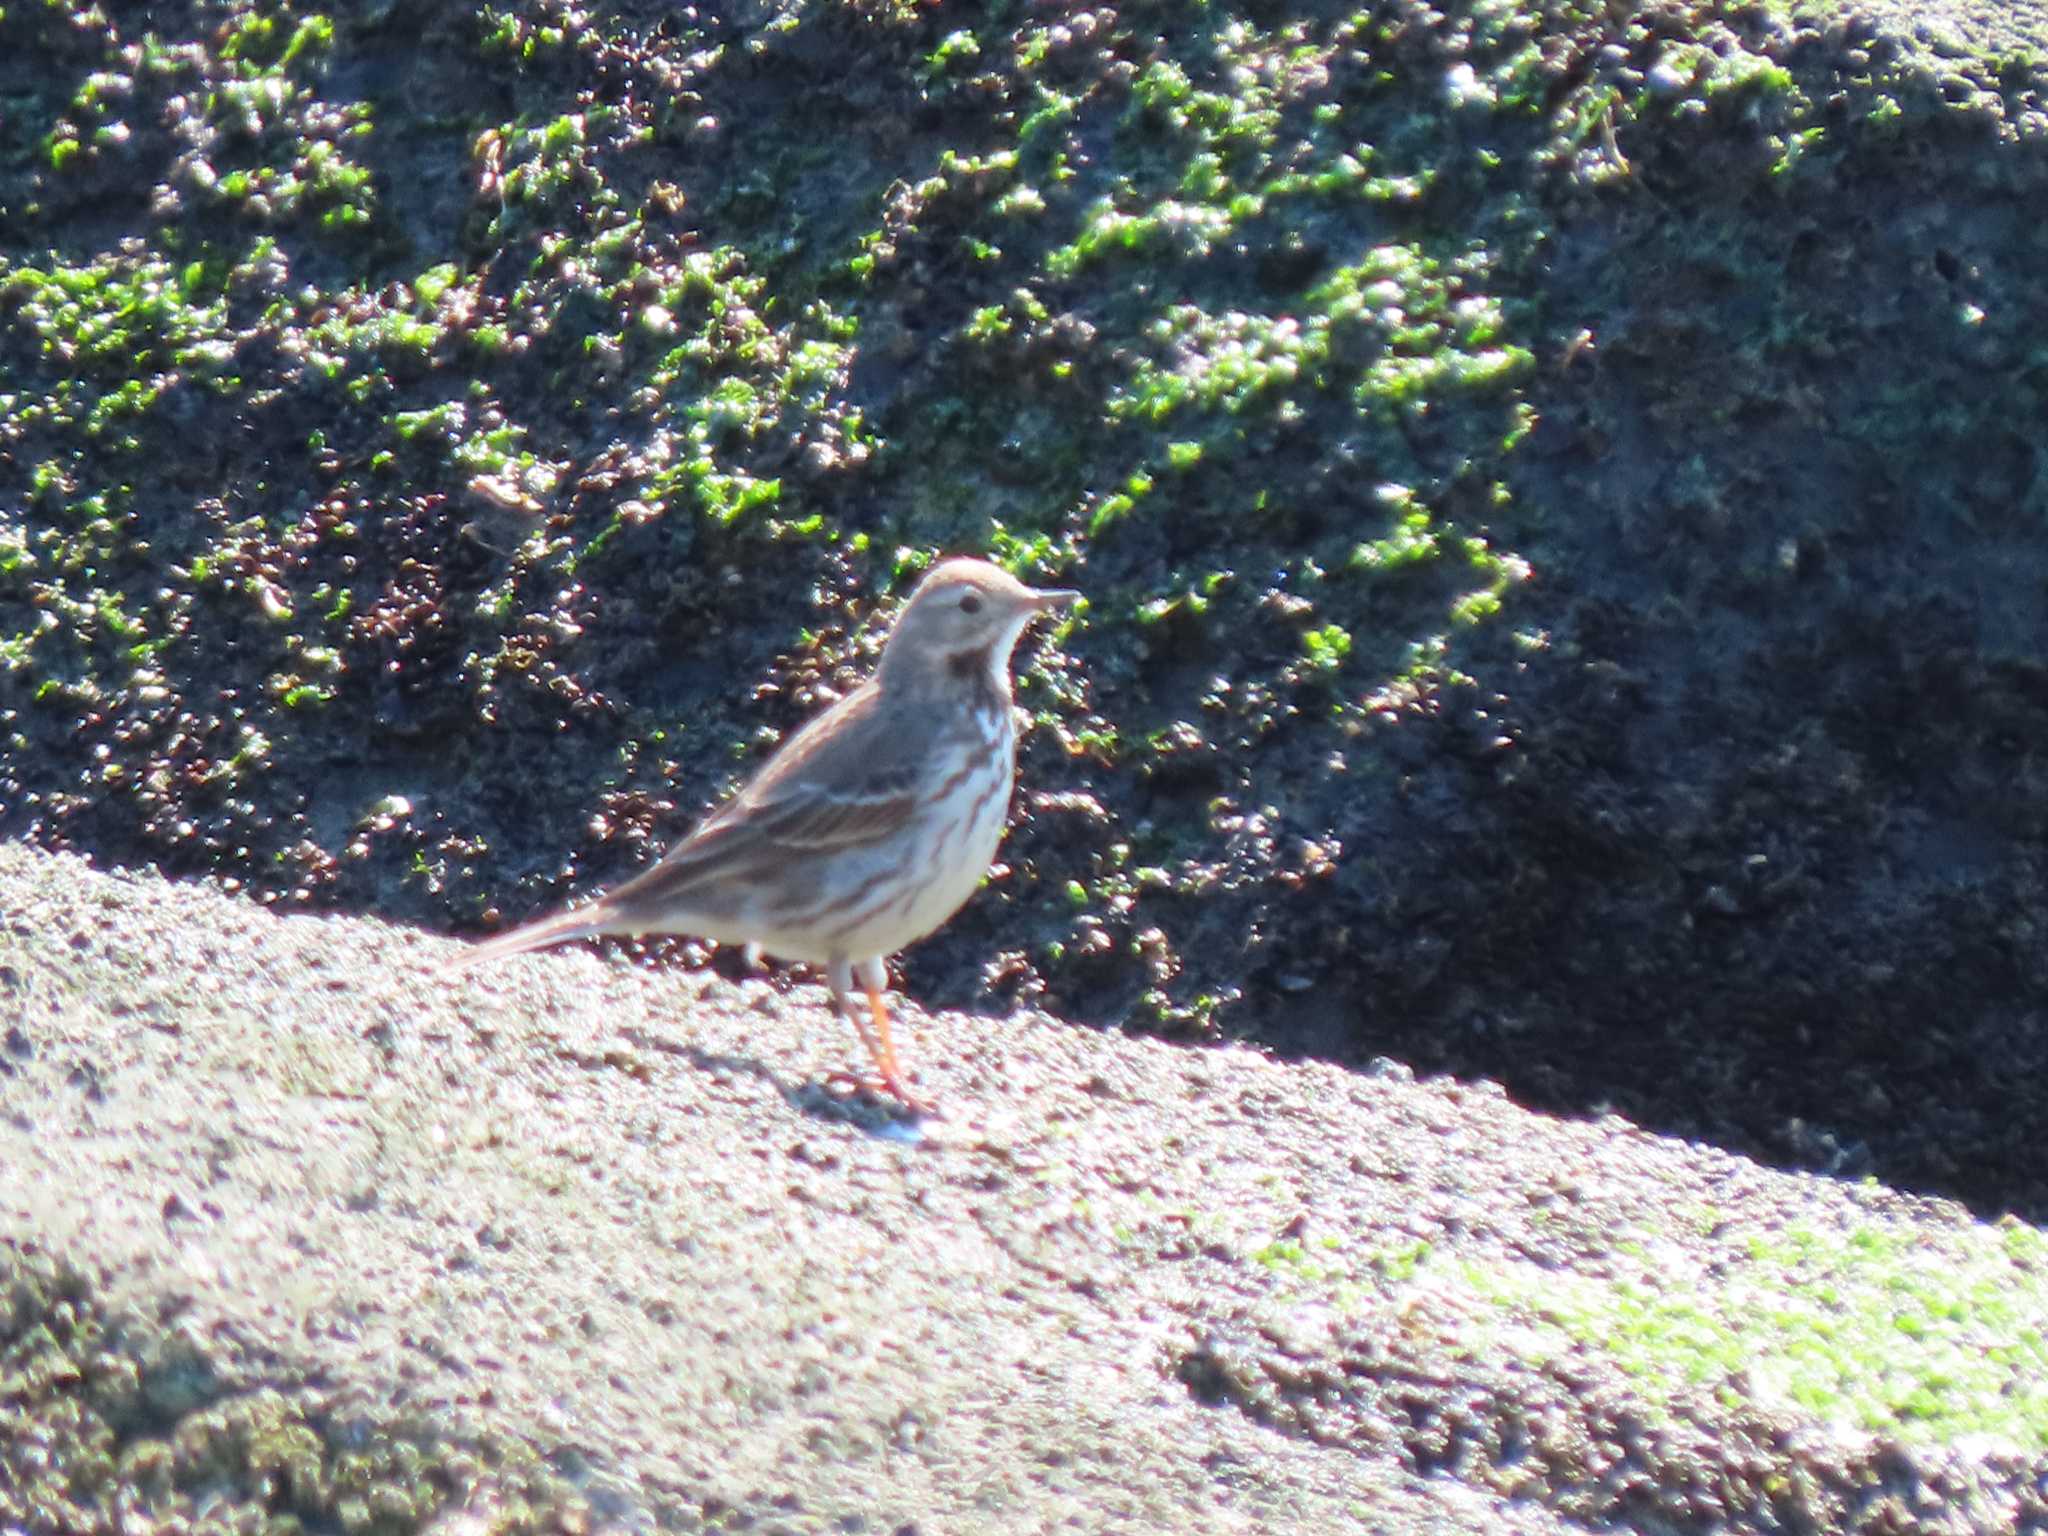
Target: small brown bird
[869, 828]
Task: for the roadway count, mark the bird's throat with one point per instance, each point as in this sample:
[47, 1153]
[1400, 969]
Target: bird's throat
[983, 673]
[966, 666]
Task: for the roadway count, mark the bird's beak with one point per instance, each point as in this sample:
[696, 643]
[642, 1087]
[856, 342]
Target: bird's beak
[1047, 599]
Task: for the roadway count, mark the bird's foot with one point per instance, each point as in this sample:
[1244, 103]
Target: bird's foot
[883, 1086]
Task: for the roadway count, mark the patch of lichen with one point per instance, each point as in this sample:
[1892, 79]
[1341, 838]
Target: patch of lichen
[112, 1421]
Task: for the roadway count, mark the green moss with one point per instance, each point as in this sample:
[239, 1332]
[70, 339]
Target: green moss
[1327, 647]
[115, 317]
[1876, 1329]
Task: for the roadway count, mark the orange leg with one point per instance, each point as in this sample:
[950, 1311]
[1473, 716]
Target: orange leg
[884, 1051]
[874, 1034]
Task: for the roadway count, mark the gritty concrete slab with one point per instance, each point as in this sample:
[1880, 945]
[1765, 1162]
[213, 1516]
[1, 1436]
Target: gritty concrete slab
[613, 1215]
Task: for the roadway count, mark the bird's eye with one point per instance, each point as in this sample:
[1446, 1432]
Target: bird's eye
[971, 603]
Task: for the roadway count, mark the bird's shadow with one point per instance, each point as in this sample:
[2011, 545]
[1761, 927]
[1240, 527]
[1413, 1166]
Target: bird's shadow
[862, 1110]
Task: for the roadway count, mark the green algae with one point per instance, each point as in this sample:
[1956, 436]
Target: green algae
[1875, 1330]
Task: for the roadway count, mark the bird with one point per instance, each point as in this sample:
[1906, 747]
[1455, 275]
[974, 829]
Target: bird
[866, 830]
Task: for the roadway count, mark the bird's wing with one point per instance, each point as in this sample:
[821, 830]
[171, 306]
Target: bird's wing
[839, 783]
[819, 817]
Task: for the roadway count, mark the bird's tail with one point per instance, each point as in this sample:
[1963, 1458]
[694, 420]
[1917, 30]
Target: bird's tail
[582, 923]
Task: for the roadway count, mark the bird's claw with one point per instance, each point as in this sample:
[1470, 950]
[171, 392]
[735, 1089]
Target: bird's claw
[883, 1087]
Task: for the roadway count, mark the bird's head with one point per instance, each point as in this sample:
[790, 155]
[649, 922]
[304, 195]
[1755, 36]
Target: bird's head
[963, 621]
